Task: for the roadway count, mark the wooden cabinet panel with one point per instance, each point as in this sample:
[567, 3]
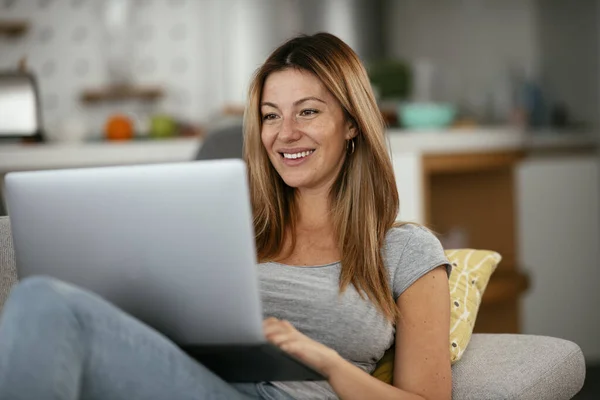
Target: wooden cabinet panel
[474, 193]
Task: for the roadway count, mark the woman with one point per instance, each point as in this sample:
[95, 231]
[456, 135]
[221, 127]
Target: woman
[339, 283]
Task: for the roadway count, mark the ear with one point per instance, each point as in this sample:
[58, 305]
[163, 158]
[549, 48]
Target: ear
[351, 129]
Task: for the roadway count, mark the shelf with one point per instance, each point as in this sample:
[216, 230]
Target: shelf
[505, 285]
[500, 310]
[470, 162]
[13, 28]
[116, 93]
[236, 110]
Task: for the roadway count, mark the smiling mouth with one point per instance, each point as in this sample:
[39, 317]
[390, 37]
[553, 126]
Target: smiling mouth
[295, 156]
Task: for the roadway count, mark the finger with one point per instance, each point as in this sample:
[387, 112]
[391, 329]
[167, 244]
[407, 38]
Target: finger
[281, 324]
[274, 326]
[277, 330]
[287, 324]
[271, 325]
[280, 338]
[278, 326]
[291, 346]
[274, 330]
[297, 348]
[273, 320]
[270, 321]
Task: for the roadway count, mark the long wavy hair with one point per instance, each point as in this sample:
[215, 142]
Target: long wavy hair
[364, 198]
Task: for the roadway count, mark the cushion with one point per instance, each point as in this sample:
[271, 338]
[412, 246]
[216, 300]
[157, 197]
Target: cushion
[8, 270]
[471, 272]
[524, 367]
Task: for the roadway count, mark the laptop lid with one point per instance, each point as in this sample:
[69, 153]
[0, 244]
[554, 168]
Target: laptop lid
[171, 244]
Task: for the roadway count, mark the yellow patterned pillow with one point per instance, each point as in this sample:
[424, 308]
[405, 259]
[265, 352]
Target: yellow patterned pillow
[471, 272]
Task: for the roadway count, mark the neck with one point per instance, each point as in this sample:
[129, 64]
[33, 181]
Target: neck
[314, 209]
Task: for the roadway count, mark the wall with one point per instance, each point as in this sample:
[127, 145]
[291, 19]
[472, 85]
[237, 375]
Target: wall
[477, 44]
[559, 232]
[202, 51]
[569, 55]
[65, 48]
[474, 44]
[250, 29]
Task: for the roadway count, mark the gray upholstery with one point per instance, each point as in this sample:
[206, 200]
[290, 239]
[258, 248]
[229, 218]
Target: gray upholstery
[492, 367]
[8, 273]
[518, 367]
[224, 142]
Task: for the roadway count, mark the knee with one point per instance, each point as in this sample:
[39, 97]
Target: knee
[39, 294]
[41, 285]
[35, 308]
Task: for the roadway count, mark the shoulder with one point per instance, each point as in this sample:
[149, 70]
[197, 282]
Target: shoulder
[410, 237]
[409, 252]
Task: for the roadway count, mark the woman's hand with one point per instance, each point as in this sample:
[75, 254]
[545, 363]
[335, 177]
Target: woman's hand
[283, 334]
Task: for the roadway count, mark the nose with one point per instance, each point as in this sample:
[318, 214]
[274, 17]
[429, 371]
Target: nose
[289, 131]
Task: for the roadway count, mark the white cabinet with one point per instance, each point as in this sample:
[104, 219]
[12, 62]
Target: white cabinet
[559, 239]
[409, 180]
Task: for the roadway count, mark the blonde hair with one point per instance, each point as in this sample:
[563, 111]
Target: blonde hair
[364, 197]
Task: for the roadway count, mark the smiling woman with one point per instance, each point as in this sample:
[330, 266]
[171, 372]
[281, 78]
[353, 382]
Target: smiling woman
[304, 129]
[313, 95]
[340, 282]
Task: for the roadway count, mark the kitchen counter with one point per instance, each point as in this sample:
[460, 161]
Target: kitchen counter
[476, 140]
[415, 153]
[19, 157]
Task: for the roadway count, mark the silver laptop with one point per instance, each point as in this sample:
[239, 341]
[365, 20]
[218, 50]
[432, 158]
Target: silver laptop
[171, 244]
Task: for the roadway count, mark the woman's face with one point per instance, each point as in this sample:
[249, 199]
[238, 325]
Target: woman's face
[304, 129]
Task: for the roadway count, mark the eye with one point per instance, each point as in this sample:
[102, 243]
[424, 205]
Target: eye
[308, 112]
[269, 117]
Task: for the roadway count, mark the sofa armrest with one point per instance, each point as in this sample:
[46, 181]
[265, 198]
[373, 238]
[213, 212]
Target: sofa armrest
[8, 272]
[503, 366]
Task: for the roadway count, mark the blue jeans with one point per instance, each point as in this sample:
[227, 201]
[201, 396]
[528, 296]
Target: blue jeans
[58, 341]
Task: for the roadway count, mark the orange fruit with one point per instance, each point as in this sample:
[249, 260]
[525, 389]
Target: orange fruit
[118, 127]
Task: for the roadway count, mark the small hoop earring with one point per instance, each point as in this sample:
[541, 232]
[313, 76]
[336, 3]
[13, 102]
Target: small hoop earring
[351, 142]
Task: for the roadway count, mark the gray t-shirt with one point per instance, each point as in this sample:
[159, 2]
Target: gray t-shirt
[309, 298]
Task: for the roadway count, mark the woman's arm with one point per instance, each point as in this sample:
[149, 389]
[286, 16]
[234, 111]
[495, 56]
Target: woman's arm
[422, 363]
[348, 381]
[351, 382]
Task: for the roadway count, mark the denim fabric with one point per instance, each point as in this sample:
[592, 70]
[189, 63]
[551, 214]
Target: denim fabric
[58, 341]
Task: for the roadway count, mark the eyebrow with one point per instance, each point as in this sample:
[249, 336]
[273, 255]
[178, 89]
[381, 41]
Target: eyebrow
[297, 102]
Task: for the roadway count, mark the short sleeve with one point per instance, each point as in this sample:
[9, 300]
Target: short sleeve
[413, 252]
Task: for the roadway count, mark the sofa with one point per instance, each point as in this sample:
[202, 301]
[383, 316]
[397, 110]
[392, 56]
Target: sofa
[494, 366]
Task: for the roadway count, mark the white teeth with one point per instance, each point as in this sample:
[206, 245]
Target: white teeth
[297, 155]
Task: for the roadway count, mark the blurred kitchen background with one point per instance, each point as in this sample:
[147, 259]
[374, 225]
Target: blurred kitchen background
[492, 106]
[191, 60]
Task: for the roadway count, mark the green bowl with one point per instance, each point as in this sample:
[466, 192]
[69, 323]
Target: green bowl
[426, 115]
